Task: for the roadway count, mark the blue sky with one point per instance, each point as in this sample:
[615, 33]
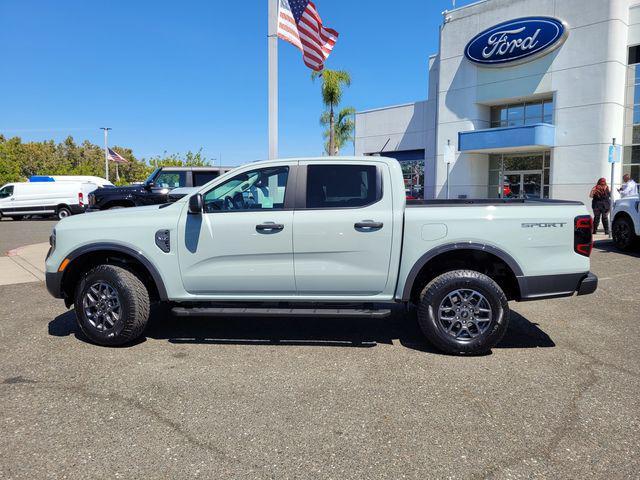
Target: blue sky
[178, 76]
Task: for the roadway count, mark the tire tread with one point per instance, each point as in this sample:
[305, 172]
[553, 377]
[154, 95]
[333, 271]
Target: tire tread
[427, 296]
[136, 319]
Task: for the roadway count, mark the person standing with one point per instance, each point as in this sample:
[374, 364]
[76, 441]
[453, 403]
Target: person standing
[629, 188]
[601, 204]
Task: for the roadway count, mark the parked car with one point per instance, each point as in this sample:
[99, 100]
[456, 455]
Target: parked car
[626, 222]
[155, 189]
[61, 199]
[331, 237]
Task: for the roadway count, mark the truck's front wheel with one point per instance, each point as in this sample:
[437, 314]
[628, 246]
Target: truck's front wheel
[112, 305]
[623, 233]
[463, 312]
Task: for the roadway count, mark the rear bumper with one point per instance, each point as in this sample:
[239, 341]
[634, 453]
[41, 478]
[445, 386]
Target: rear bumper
[75, 209]
[588, 285]
[555, 286]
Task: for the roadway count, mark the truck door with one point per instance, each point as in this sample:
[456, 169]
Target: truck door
[343, 229]
[242, 244]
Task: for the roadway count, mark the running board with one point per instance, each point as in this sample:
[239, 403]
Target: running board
[279, 312]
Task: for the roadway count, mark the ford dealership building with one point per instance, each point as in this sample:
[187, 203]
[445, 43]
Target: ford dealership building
[524, 99]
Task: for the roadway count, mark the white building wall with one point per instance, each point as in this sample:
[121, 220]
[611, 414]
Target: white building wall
[586, 77]
[400, 127]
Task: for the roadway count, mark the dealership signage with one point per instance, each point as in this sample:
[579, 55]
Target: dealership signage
[516, 41]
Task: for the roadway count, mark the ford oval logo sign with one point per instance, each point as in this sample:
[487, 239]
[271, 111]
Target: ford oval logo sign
[516, 41]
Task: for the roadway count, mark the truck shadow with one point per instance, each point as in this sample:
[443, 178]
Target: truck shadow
[359, 333]
[607, 246]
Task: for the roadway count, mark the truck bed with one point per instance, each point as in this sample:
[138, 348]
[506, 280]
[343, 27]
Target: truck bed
[466, 202]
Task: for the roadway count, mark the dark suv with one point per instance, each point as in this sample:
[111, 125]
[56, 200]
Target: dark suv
[155, 189]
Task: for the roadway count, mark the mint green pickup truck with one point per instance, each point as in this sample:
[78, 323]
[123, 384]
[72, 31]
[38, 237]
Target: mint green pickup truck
[329, 237]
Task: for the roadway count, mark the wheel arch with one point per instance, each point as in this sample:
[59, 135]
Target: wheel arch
[622, 214]
[433, 263]
[88, 256]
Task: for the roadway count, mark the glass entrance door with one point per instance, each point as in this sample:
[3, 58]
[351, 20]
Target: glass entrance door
[519, 175]
[532, 185]
[526, 184]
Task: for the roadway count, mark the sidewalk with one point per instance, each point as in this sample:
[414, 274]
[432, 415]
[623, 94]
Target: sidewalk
[23, 264]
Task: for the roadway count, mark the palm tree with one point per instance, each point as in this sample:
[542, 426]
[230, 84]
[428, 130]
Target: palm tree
[332, 83]
[343, 127]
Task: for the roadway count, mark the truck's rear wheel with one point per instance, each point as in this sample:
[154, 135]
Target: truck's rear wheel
[63, 212]
[112, 305]
[463, 312]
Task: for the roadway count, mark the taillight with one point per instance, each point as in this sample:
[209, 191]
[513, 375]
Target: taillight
[582, 236]
[80, 199]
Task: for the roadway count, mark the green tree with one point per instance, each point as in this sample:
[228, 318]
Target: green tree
[20, 160]
[332, 83]
[343, 129]
[190, 159]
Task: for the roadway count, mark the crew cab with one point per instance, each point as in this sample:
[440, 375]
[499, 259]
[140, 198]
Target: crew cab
[331, 237]
[625, 228]
[155, 189]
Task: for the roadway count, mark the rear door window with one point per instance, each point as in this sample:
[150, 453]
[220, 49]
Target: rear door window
[341, 186]
[202, 178]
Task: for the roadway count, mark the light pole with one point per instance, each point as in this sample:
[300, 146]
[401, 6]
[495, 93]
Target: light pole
[106, 151]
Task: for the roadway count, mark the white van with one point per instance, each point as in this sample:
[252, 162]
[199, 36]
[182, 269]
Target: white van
[101, 182]
[44, 198]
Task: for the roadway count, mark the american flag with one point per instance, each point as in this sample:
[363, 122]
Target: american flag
[300, 25]
[116, 157]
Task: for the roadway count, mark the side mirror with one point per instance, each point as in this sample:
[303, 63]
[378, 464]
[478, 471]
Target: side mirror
[149, 185]
[196, 204]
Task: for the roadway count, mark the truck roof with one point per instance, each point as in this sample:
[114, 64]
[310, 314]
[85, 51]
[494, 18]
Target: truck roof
[336, 159]
[195, 169]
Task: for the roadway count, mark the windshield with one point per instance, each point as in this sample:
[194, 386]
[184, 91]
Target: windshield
[152, 176]
[6, 191]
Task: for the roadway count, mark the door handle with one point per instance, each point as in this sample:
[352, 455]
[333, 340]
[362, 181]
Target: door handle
[368, 225]
[269, 227]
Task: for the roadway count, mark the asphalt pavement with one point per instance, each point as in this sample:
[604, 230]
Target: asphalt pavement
[14, 234]
[341, 399]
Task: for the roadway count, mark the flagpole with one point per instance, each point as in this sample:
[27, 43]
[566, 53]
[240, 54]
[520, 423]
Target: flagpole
[106, 152]
[272, 41]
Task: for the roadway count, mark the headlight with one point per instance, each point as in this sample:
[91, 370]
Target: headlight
[52, 242]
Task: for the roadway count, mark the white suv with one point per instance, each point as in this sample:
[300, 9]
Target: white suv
[626, 222]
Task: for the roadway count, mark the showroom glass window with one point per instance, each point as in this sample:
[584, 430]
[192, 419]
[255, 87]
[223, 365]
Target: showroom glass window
[631, 159]
[341, 186]
[261, 189]
[520, 114]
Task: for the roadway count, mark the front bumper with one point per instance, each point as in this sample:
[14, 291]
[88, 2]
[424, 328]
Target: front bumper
[555, 286]
[54, 283]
